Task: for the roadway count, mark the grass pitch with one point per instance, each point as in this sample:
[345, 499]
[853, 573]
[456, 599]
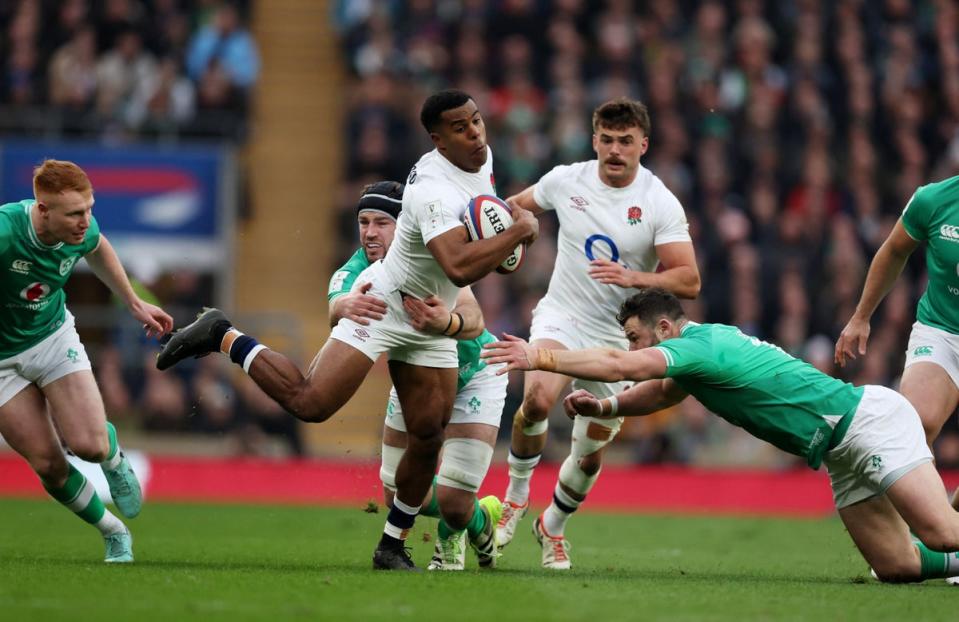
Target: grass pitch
[235, 562]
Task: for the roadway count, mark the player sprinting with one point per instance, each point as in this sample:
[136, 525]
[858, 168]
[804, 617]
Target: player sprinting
[930, 379]
[617, 223]
[431, 255]
[870, 438]
[471, 434]
[46, 382]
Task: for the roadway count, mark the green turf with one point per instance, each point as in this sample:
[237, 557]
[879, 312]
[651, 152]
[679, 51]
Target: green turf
[234, 563]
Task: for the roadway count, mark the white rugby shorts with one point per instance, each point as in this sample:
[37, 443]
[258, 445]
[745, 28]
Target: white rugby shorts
[884, 441]
[53, 358]
[480, 401]
[928, 344]
[393, 334]
[550, 322]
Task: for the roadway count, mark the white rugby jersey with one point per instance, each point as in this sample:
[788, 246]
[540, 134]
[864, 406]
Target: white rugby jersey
[601, 222]
[434, 202]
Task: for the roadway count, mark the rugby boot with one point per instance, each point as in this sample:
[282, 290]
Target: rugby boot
[555, 548]
[506, 527]
[197, 339]
[450, 553]
[485, 543]
[393, 558]
[124, 488]
[119, 547]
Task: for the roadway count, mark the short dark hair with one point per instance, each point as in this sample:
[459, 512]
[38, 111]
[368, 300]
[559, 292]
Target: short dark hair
[649, 305]
[621, 114]
[438, 103]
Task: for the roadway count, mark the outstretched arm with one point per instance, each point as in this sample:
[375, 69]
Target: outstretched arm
[642, 399]
[885, 268]
[106, 265]
[606, 365]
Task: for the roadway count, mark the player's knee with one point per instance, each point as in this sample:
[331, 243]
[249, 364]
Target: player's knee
[536, 403]
[425, 438]
[897, 571]
[591, 464]
[464, 466]
[91, 447]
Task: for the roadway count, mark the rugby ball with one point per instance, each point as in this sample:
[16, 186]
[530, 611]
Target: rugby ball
[486, 216]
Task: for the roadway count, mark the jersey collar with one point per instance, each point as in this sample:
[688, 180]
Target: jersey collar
[32, 234]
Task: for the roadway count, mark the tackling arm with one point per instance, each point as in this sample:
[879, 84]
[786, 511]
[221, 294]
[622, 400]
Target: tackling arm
[642, 399]
[606, 365]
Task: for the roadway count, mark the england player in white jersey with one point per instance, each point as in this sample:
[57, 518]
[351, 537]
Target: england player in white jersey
[618, 223]
[431, 254]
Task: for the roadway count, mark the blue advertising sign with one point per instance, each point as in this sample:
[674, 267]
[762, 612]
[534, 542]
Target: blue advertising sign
[168, 202]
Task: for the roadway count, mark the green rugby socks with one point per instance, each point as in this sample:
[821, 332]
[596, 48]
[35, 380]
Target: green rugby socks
[113, 455]
[78, 494]
[475, 527]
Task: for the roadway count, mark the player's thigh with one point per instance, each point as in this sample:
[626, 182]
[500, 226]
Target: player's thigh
[933, 394]
[918, 497]
[477, 431]
[335, 374]
[426, 396]
[541, 389]
[882, 537]
[77, 409]
[27, 428]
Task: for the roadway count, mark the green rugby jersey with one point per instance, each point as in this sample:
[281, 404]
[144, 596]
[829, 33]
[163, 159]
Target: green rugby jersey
[757, 386]
[467, 350]
[32, 276]
[932, 216]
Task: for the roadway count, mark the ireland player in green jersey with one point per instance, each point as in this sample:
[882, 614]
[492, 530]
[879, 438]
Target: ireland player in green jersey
[930, 380]
[46, 383]
[870, 438]
[471, 434]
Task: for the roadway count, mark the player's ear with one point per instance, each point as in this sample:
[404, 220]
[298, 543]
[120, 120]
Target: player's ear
[437, 141]
[644, 145]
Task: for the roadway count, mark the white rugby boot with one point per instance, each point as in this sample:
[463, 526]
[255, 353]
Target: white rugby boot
[555, 548]
[506, 526]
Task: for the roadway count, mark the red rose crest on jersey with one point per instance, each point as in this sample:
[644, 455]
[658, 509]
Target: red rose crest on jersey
[634, 215]
[35, 291]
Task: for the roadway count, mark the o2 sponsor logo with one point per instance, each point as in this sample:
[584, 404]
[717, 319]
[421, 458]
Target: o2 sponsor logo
[598, 240]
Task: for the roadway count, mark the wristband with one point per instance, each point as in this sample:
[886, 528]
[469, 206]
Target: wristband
[545, 359]
[613, 406]
[462, 324]
[448, 324]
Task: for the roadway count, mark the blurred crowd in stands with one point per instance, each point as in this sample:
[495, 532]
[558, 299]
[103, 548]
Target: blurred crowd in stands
[125, 68]
[792, 131]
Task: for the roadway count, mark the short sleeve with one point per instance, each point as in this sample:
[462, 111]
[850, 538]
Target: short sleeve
[671, 224]
[341, 282]
[6, 233]
[435, 213]
[92, 238]
[547, 189]
[916, 214]
[686, 356]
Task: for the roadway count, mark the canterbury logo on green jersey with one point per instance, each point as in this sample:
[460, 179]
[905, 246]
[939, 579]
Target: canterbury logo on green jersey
[949, 232]
[21, 266]
[922, 351]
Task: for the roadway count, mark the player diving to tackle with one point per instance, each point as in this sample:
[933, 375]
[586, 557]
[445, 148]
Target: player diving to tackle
[46, 382]
[431, 255]
[618, 222]
[870, 438]
[480, 394]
